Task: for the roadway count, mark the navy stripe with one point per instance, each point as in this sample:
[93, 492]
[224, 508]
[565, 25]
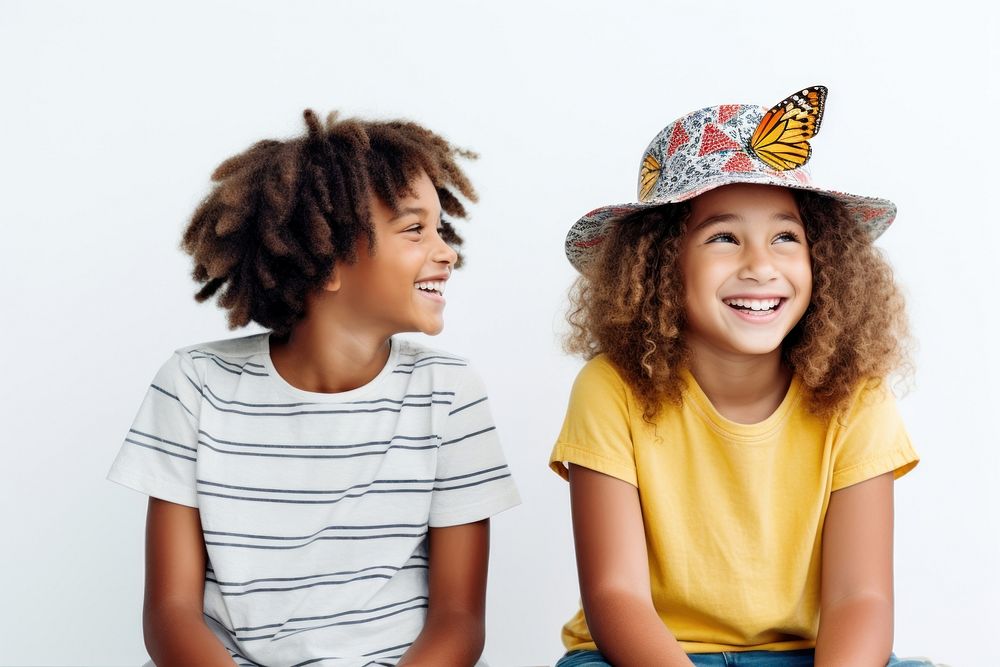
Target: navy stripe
[221, 625]
[370, 443]
[357, 622]
[323, 412]
[295, 405]
[310, 576]
[227, 361]
[350, 488]
[317, 539]
[471, 474]
[289, 501]
[437, 356]
[433, 363]
[447, 362]
[405, 396]
[158, 449]
[163, 440]
[465, 486]
[470, 435]
[326, 617]
[374, 526]
[221, 365]
[377, 452]
[383, 650]
[467, 405]
[206, 353]
[282, 634]
[161, 389]
[363, 577]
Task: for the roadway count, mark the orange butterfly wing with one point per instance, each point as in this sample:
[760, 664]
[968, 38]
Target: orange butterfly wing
[781, 140]
[649, 173]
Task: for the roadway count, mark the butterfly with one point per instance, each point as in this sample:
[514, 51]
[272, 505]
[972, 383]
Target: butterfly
[781, 140]
[649, 173]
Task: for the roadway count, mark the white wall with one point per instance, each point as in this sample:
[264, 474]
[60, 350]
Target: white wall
[113, 115]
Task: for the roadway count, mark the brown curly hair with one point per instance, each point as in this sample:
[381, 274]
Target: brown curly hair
[854, 329]
[283, 213]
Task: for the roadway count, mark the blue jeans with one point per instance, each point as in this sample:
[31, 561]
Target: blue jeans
[800, 658]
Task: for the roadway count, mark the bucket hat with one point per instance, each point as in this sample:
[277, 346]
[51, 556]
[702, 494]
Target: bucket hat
[720, 145]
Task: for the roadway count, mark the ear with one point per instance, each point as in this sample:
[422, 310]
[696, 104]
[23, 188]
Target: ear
[333, 282]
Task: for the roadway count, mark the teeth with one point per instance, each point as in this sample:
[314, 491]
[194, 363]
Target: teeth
[431, 286]
[753, 304]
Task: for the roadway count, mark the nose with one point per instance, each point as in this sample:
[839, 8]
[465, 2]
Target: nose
[444, 253]
[758, 265]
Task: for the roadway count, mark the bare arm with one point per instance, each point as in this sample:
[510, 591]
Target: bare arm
[172, 621]
[855, 626]
[455, 630]
[611, 561]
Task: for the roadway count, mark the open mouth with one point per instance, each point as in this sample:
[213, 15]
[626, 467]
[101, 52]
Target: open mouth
[755, 306]
[431, 287]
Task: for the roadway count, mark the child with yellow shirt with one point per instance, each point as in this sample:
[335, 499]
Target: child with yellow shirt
[731, 444]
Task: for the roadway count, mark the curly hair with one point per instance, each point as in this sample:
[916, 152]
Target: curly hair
[283, 213]
[854, 330]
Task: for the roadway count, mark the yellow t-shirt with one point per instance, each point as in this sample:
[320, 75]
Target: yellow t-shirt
[733, 513]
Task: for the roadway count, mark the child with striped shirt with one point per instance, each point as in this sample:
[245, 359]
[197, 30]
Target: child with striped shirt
[320, 494]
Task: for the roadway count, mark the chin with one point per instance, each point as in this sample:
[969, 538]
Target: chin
[749, 345]
[759, 347]
[433, 330]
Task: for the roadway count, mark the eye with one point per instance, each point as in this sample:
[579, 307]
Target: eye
[418, 228]
[787, 237]
[722, 237]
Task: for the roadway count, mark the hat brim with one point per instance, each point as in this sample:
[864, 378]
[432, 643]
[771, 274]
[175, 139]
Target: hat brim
[873, 213]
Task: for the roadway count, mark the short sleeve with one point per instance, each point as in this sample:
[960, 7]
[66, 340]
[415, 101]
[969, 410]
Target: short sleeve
[596, 432]
[472, 481]
[160, 450]
[872, 440]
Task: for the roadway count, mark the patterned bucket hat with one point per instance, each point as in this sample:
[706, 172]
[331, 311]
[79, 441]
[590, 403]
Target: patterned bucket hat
[730, 143]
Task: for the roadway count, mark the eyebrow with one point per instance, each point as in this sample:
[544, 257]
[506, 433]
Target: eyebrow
[411, 210]
[732, 217]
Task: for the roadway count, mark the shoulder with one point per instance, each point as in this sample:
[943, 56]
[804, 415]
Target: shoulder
[239, 349]
[870, 436]
[600, 388]
[440, 366]
[413, 351]
[870, 396]
[601, 374]
[231, 356]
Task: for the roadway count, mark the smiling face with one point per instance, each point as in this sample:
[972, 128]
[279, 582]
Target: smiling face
[400, 287]
[746, 270]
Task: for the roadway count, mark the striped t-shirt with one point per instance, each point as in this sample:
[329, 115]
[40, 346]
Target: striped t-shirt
[315, 507]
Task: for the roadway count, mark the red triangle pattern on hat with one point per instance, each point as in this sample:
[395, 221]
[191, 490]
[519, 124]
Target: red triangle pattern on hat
[868, 213]
[677, 139]
[590, 243]
[714, 140]
[739, 162]
[727, 111]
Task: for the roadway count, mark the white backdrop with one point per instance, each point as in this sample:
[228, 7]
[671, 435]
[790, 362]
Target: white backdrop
[113, 115]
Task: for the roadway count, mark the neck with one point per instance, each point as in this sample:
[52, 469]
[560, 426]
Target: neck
[321, 354]
[743, 388]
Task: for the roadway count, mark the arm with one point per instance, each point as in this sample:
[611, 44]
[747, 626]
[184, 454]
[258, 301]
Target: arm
[455, 629]
[611, 561]
[172, 620]
[855, 627]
